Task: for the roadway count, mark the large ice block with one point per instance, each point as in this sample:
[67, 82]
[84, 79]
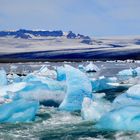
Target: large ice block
[123, 118]
[40, 92]
[18, 111]
[78, 87]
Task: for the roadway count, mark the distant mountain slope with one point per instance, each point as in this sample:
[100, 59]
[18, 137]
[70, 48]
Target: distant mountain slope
[55, 45]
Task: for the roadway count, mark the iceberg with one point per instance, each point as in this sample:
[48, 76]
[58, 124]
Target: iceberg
[91, 68]
[13, 78]
[50, 83]
[18, 111]
[131, 96]
[81, 67]
[44, 71]
[128, 72]
[134, 91]
[123, 118]
[78, 87]
[40, 92]
[92, 110]
[3, 77]
[102, 83]
[14, 87]
[61, 75]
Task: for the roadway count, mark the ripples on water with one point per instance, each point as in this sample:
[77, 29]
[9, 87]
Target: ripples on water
[54, 124]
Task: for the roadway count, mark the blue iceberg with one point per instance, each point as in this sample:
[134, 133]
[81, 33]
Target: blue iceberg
[91, 68]
[102, 83]
[61, 75]
[78, 87]
[132, 96]
[18, 111]
[3, 78]
[129, 72]
[123, 118]
[50, 83]
[40, 92]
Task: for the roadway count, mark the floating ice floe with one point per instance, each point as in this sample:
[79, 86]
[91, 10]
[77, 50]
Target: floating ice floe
[18, 111]
[91, 68]
[92, 110]
[126, 112]
[131, 96]
[125, 118]
[130, 72]
[103, 83]
[78, 87]
[3, 78]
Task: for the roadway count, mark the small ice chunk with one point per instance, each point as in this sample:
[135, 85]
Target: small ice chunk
[93, 110]
[91, 68]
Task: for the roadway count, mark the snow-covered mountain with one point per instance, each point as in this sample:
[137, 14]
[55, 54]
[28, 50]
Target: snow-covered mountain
[27, 34]
[28, 44]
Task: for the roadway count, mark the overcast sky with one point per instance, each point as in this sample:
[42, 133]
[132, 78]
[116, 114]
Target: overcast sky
[89, 17]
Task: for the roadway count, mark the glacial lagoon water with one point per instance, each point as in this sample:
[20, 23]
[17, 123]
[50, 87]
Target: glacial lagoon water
[51, 123]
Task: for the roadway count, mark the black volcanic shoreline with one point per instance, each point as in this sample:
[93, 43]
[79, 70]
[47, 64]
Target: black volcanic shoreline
[70, 55]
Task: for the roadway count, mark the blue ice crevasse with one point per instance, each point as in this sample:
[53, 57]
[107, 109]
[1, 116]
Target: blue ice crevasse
[78, 87]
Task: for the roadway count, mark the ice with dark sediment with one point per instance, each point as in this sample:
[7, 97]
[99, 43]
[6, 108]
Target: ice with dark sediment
[91, 68]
